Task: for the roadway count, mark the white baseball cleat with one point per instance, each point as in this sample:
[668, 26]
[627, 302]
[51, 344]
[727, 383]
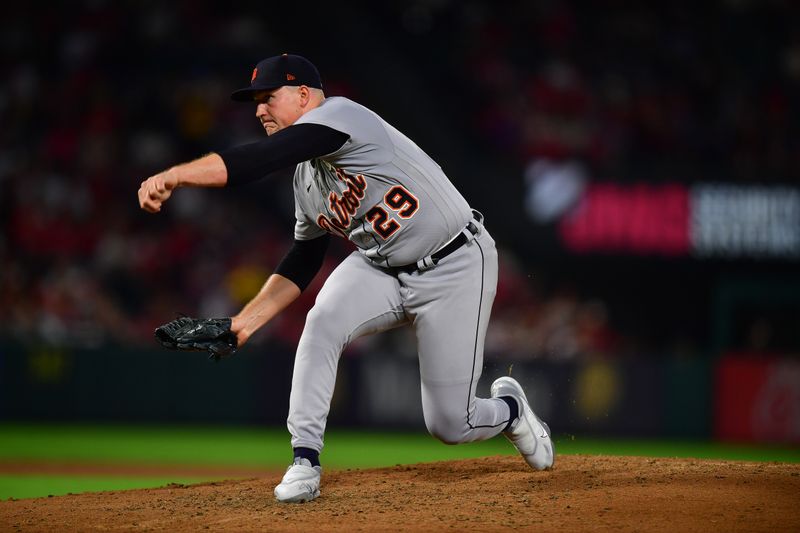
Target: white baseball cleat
[528, 434]
[300, 483]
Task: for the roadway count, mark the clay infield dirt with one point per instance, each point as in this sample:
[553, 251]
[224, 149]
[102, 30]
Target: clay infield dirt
[583, 493]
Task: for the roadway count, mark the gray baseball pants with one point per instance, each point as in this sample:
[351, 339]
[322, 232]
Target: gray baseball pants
[448, 306]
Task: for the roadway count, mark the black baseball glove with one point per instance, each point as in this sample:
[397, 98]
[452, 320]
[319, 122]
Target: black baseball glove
[213, 335]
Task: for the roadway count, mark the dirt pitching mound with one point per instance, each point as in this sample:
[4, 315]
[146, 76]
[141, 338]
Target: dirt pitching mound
[582, 493]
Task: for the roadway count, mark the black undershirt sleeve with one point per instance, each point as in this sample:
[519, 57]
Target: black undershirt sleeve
[303, 260]
[287, 147]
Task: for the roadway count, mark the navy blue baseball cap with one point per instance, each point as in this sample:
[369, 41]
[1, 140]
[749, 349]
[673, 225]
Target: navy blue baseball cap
[277, 71]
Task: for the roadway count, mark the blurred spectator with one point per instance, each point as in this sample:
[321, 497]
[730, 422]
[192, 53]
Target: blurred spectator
[560, 325]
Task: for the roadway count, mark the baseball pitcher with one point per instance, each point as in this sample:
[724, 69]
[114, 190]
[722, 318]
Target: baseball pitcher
[424, 259]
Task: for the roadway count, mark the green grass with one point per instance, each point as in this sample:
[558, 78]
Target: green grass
[678, 448]
[38, 486]
[225, 446]
[269, 448]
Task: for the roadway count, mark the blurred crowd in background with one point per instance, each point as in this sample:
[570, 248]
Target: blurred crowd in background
[671, 91]
[98, 95]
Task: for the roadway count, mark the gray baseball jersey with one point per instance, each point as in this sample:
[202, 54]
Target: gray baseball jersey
[380, 190]
[394, 202]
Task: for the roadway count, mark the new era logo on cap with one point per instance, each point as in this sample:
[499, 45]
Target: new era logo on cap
[277, 71]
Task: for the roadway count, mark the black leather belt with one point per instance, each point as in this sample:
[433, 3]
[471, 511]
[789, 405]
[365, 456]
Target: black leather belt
[460, 240]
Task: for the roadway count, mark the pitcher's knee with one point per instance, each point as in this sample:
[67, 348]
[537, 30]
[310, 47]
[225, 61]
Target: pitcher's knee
[322, 324]
[449, 431]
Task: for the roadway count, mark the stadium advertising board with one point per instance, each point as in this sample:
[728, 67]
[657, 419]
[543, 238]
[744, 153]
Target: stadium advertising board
[703, 221]
[757, 399]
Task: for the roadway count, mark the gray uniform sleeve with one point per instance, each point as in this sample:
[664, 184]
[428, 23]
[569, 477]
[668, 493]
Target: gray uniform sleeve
[369, 145]
[305, 228]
